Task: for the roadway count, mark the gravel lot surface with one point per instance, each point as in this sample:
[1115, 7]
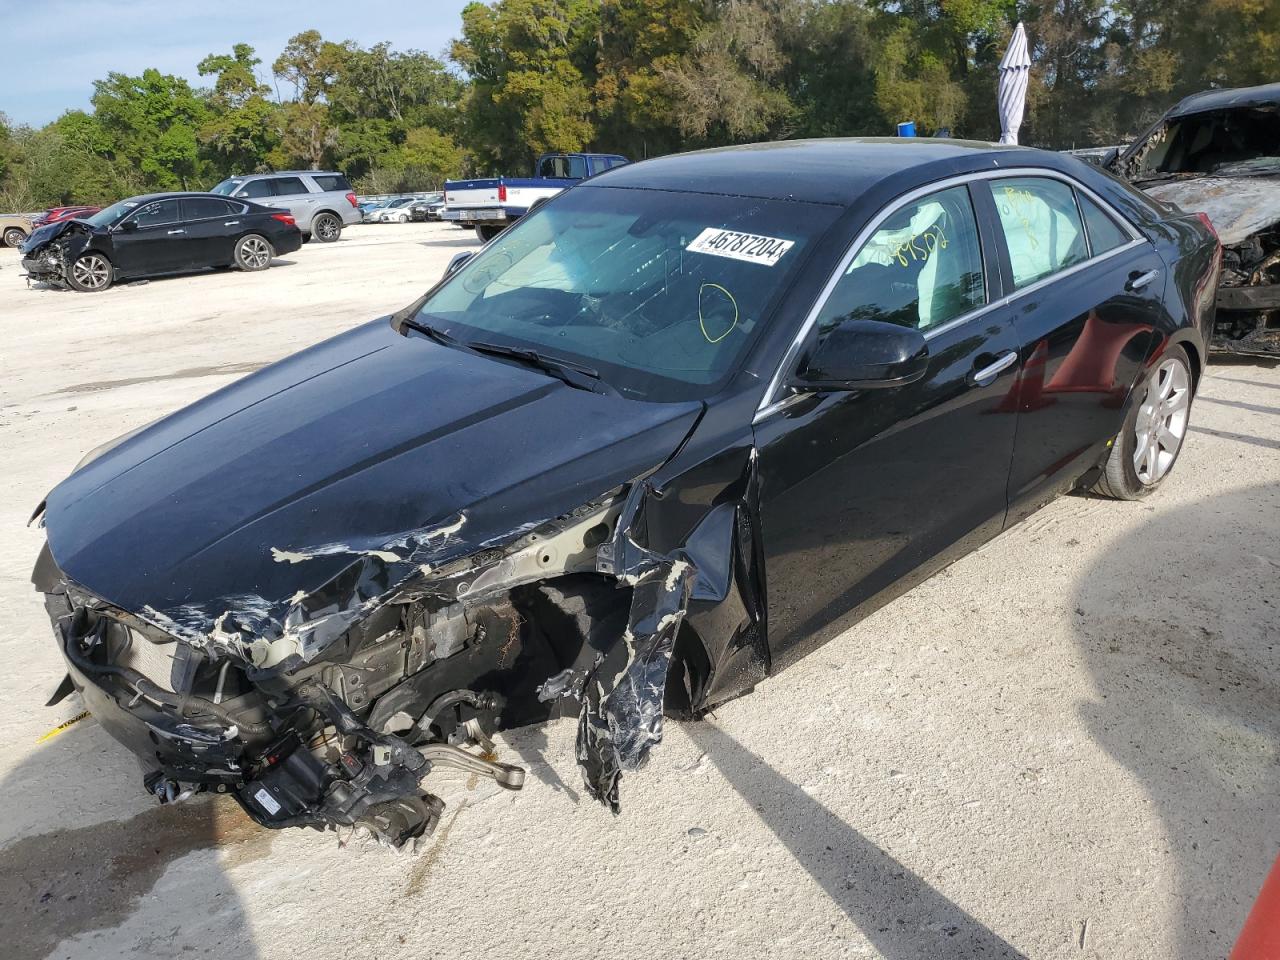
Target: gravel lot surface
[1065, 745]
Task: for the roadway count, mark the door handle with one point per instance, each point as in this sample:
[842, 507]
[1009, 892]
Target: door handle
[1138, 280]
[231, 223]
[172, 232]
[989, 372]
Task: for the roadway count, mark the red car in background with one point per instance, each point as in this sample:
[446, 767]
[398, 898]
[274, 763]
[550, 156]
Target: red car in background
[58, 214]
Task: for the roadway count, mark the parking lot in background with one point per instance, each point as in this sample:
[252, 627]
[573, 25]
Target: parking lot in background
[1065, 745]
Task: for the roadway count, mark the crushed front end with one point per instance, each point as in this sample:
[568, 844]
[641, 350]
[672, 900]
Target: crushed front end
[48, 253]
[1248, 302]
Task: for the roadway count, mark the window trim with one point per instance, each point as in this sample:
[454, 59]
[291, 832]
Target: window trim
[133, 214]
[771, 402]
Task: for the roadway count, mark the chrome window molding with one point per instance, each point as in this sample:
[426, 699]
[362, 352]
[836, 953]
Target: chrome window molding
[771, 402]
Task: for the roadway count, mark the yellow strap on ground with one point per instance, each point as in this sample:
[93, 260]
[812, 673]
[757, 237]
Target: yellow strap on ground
[66, 724]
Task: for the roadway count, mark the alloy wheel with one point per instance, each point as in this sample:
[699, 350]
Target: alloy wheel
[13, 237]
[327, 228]
[1162, 421]
[255, 252]
[92, 272]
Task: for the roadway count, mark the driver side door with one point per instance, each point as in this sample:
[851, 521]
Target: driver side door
[154, 242]
[866, 492]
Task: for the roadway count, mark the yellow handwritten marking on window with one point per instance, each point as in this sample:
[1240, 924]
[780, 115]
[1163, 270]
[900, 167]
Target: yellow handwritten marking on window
[919, 248]
[1023, 204]
[702, 323]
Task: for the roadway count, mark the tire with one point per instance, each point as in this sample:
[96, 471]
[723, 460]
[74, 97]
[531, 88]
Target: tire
[253, 252]
[487, 231]
[326, 227]
[1144, 453]
[403, 218]
[91, 272]
[13, 237]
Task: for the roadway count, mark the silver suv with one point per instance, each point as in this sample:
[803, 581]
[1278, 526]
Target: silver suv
[321, 201]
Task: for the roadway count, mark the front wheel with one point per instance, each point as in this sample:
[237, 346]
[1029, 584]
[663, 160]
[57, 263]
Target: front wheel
[90, 273]
[1149, 442]
[487, 231]
[14, 236]
[253, 253]
[326, 228]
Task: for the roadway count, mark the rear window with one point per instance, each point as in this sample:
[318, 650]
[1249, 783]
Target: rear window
[288, 186]
[331, 181]
[562, 168]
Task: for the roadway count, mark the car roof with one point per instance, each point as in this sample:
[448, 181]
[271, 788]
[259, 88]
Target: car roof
[148, 197]
[281, 173]
[837, 171]
[1264, 95]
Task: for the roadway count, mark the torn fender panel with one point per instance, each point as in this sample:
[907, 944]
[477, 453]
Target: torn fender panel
[307, 490]
[710, 576]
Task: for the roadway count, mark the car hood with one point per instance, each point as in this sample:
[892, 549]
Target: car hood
[1238, 207]
[41, 236]
[333, 454]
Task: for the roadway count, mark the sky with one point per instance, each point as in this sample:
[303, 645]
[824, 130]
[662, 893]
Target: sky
[64, 45]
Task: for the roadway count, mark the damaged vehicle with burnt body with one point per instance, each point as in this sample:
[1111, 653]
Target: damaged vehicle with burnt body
[674, 429]
[1218, 153]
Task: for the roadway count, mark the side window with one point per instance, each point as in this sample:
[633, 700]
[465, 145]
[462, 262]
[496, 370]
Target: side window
[204, 208]
[1104, 234]
[556, 168]
[255, 190]
[156, 214]
[921, 268]
[288, 186]
[331, 182]
[577, 167]
[1041, 226]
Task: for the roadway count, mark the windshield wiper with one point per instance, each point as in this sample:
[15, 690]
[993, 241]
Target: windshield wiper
[575, 375]
[401, 323]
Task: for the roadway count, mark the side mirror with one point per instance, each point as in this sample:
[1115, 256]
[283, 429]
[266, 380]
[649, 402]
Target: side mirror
[1108, 161]
[128, 226]
[456, 263]
[863, 355]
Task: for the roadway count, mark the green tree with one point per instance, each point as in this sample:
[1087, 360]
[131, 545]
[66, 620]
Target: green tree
[150, 122]
[243, 124]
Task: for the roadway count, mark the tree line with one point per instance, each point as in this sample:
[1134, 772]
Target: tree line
[639, 77]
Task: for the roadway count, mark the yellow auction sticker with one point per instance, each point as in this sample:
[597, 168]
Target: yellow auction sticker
[65, 725]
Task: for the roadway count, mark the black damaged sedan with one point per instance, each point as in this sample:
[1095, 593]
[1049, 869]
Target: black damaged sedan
[157, 234]
[676, 428]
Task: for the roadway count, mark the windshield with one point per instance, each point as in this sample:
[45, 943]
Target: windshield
[227, 187]
[661, 292]
[108, 216]
[1213, 142]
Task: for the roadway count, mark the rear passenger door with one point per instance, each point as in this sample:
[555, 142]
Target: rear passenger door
[865, 492]
[1086, 298]
[293, 194]
[212, 226]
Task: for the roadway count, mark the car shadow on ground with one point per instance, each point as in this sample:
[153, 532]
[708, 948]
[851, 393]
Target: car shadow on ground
[68, 882]
[1187, 687]
[897, 911]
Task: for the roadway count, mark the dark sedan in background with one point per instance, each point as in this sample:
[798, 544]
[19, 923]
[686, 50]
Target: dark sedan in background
[678, 426]
[157, 234]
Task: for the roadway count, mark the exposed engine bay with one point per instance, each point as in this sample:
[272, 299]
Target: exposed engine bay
[347, 738]
[48, 253]
[337, 720]
[1225, 163]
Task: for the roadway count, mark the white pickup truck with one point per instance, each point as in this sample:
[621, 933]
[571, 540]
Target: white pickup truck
[491, 204]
